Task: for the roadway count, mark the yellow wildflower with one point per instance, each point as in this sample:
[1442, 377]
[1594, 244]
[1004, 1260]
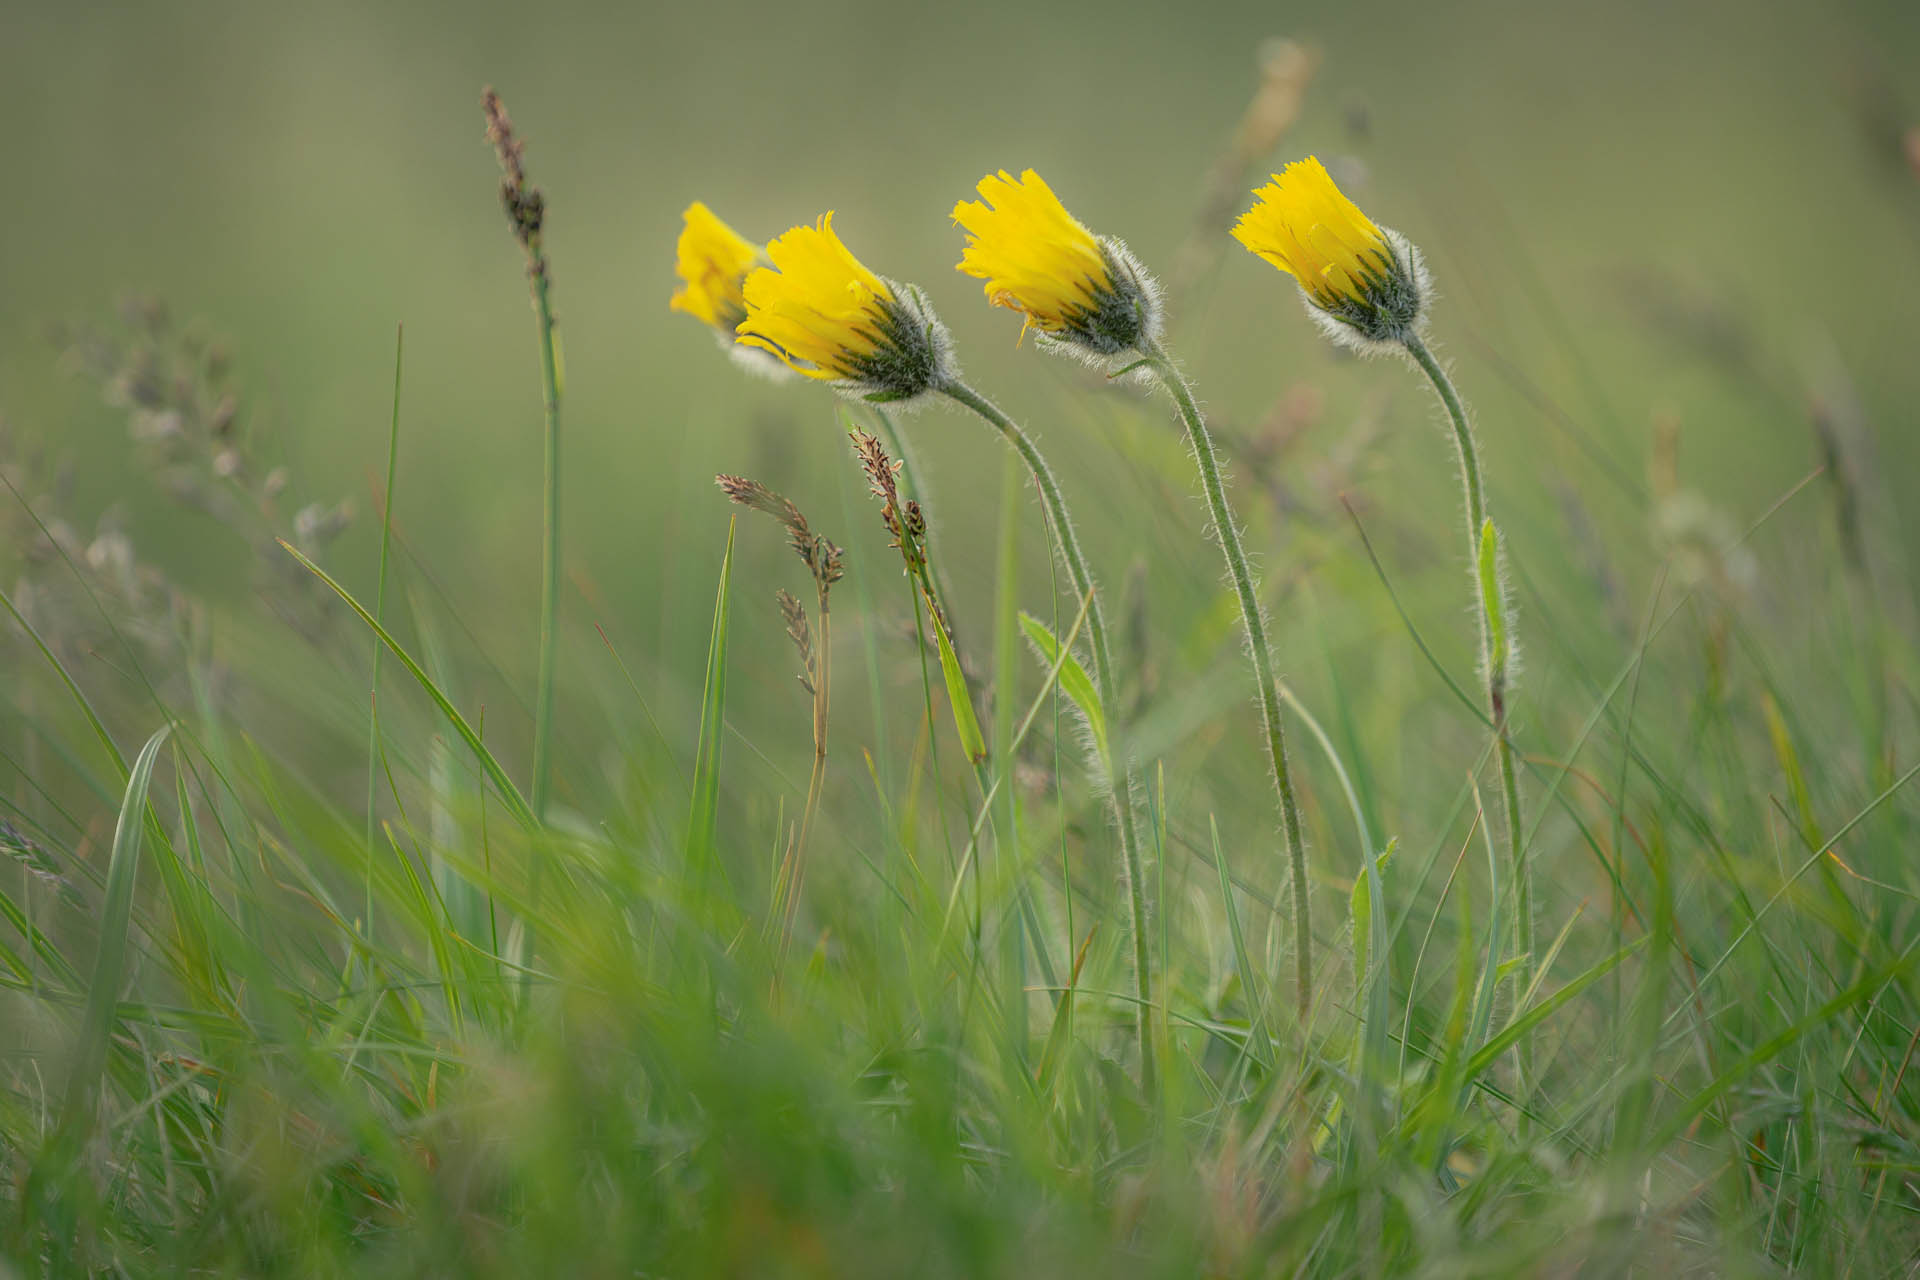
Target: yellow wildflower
[823, 313]
[712, 261]
[1362, 275]
[1037, 259]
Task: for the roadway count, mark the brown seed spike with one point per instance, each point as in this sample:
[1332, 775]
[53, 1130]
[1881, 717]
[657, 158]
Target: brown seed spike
[794, 614]
[525, 206]
[822, 557]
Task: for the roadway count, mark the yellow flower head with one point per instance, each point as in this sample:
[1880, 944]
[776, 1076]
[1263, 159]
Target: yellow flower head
[1364, 277]
[712, 262]
[1037, 259]
[824, 314]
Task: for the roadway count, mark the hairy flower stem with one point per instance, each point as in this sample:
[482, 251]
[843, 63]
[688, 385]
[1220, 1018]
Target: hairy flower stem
[1119, 769]
[1485, 605]
[1254, 620]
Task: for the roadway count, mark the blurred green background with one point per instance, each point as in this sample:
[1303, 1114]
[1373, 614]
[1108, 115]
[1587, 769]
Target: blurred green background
[1673, 243]
[1604, 193]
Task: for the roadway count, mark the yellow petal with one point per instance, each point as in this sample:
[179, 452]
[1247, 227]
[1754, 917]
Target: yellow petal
[1304, 225]
[816, 307]
[1034, 256]
[712, 262]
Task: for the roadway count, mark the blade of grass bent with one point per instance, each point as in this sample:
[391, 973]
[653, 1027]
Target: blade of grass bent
[109, 966]
[515, 802]
[702, 817]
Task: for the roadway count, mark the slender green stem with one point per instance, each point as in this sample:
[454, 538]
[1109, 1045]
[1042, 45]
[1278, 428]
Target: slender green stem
[526, 211]
[1119, 769]
[380, 615]
[1254, 619]
[550, 542]
[1496, 671]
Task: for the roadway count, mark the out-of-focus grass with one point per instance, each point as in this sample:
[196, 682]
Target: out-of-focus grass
[1675, 248]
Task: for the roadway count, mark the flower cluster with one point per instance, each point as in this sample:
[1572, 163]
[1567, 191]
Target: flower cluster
[808, 303]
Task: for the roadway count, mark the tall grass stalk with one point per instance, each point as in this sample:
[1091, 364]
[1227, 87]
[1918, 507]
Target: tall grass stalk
[824, 566]
[549, 546]
[1253, 618]
[1118, 766]
[380, 615]
[526, 210]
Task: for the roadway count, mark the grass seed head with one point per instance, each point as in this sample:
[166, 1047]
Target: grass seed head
[903, 520]
[824, 558]
[526, 207]
[794, 614]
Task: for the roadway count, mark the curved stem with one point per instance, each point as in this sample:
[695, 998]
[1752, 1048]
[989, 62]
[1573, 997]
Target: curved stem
[1254, 620]
[1462, 438]
[1496, 676]
[1119, 769]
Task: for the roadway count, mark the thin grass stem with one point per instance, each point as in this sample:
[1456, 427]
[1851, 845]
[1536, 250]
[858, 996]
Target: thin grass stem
[380, 616]
[549, 542]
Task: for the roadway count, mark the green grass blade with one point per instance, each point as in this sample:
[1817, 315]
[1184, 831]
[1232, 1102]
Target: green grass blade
[964, 721]
[110, 964]
[1074, 680]
[1775, 1045]
[380, 615]
[1258, 1041]
[1512, 1033]
[702, 818]
[72, 687]
[509, 793]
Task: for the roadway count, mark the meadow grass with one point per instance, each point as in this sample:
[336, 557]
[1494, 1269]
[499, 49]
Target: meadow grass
[477, 1023]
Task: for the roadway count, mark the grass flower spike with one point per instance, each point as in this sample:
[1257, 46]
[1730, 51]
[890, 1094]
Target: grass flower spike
[1037, 259]
[1364, 284]
[822, 313]
[712, 262]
